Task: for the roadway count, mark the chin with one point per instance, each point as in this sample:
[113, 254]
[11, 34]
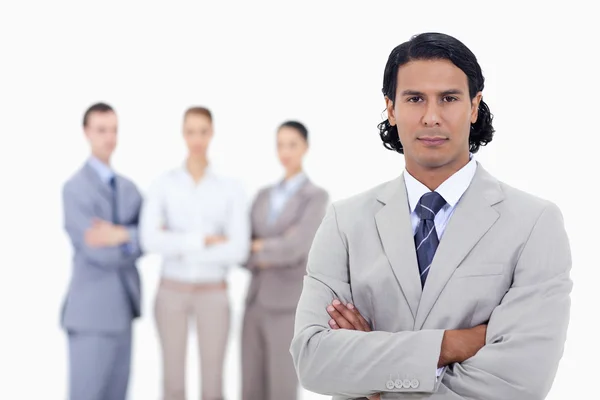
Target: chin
[433, 160]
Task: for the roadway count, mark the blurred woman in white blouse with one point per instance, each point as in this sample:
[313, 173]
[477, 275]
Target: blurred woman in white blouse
[197, 221]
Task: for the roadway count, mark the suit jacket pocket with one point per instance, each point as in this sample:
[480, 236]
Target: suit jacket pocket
[478, 269]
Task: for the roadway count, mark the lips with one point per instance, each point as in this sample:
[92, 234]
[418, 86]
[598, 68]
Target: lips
[432, 141]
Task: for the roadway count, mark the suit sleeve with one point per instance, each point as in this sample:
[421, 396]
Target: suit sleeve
[527, 331]
[295, 243]
[78, 215]
[133, 247]
[345, 362]
[250, 262]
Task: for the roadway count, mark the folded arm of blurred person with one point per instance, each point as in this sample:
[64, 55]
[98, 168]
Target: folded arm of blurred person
[294, 244]
[101, 242]
[194, 242]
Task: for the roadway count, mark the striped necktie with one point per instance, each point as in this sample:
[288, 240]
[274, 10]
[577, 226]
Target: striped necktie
[426, 238]
[115, 211]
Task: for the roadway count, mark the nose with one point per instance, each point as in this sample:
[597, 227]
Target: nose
[432, 115]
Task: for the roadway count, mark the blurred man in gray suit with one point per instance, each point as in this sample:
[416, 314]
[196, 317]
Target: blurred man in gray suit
[444, 283]
[101, 212]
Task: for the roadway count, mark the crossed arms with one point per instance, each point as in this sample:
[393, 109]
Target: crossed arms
[524, 337]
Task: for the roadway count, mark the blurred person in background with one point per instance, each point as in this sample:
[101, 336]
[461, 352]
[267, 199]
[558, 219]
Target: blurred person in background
[197, 221]
[101, 210]
[284, 219]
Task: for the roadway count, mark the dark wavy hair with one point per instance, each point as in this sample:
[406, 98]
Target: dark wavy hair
[437, 46]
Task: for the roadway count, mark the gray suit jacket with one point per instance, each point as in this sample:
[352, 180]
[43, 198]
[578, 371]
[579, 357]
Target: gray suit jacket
[504, 258]
[286, 246]
[104, 292]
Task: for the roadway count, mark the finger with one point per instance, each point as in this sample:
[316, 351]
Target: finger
[339, 318]
[349, 315]
[333, 324]
[362, 320]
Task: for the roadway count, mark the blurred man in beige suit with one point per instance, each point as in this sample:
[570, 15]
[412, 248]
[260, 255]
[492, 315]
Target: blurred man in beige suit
[284, 220]
[444, 283]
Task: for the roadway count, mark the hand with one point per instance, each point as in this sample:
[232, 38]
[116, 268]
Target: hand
[346, 317]
[105, 234]
[461, 344]
[214, 239]
[257, 245]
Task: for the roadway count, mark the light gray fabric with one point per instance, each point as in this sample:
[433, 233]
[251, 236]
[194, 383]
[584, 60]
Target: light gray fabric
[504, 258]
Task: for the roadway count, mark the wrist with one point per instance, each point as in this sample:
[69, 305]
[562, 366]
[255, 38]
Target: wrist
[447, 355]
[121, 234]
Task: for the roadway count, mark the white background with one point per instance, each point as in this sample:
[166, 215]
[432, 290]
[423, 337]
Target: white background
[256, 65]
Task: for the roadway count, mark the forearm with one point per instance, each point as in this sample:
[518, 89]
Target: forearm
[169, 243]
[111, 257]
[353, 363]
[525, 342]
[281, 251]
[230, 252]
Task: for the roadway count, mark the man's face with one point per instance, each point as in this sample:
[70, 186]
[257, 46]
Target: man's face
[197, 132]
[433, 113]
[101, 133]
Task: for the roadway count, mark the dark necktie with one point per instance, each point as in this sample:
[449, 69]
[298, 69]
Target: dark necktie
[426, 238]
[115, 211]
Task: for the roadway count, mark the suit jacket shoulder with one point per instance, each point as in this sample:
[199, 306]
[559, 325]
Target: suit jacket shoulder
[522, 205]
[312, 190]
[352, 211]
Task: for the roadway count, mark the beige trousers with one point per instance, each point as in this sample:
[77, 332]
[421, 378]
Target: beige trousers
[206, 305]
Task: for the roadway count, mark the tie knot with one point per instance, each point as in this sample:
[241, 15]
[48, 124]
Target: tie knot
[429, 205]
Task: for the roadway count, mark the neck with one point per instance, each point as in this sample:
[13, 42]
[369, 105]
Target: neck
[292, 172]
[104, 160]
[197, 166]
[434, 177]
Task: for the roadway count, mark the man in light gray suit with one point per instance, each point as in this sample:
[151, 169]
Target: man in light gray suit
[101, 212]
[444, 283]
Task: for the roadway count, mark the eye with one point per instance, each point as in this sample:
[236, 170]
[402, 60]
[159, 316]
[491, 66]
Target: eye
[414, 99]
[449, 99]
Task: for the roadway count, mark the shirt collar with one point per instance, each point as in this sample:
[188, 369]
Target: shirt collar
[209, 171]
[451, 189]
[103, 170]
[293, 183]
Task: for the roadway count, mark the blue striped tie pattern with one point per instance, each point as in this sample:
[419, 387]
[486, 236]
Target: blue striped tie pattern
[426, 238]
[115, 212]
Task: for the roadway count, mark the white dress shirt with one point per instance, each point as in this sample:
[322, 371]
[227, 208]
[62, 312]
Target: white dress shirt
[451, 190]
[179, 213]
[282, 192]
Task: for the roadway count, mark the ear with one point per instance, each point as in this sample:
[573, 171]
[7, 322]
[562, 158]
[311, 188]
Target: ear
[389, 105]
[475, 107]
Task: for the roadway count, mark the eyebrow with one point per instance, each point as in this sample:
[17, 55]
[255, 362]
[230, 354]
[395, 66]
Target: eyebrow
[444, 93]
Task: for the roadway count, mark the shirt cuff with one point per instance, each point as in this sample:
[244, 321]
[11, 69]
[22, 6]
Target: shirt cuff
[132, 246]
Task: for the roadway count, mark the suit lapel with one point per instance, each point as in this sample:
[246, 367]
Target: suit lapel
[290, 208]
[396, 234]
[472, 218]
[261, 217]
[103, 189]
